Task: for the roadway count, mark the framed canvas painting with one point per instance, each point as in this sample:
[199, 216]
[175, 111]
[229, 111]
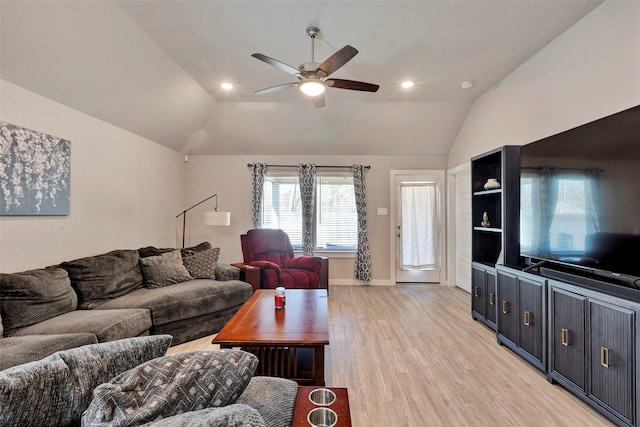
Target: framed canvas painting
[35, 171]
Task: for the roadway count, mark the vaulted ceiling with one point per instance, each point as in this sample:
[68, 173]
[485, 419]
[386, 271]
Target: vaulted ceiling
[155, 67]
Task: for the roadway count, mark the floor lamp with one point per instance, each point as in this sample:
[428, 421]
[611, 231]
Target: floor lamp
[214, 217]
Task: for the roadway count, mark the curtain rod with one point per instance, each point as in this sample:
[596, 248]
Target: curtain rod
[295, 166]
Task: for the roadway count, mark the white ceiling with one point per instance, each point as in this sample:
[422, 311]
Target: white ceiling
[154, 67]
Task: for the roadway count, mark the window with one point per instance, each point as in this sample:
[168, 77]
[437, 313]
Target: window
[336, 216]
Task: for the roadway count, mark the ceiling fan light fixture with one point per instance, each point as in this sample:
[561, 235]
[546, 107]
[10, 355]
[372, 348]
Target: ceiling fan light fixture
[313, 87]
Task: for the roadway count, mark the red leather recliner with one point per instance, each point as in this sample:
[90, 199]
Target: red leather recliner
[270, 249]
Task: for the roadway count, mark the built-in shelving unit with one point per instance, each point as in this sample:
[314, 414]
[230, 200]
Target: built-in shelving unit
[580, 330]
[490, 244]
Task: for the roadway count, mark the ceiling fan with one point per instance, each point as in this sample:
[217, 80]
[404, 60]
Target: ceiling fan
[313, 78]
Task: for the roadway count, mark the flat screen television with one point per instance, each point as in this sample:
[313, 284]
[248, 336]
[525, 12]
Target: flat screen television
[580, 199]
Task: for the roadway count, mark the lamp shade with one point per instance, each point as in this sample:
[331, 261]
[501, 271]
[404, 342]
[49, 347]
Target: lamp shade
[217, 218]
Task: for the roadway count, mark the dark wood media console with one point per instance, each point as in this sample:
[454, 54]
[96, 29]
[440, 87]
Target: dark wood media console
[580, 330]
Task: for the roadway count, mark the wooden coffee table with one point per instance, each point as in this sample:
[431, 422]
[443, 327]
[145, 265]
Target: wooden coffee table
[289, 343]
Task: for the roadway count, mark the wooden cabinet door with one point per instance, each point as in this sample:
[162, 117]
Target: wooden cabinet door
[491, 300]
[507, 306]
[611, 349]
[531, 316]
[568, 339]
[478, 290]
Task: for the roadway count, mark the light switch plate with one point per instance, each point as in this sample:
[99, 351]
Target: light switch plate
[382, 211]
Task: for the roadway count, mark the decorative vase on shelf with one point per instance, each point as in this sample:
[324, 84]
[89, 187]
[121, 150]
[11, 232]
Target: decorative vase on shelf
[485, 220]
[491, 184]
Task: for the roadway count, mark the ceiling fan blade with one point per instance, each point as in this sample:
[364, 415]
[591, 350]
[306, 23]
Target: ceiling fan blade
[352, 85]
[338, 59]
[280, 65]
[276, 88]
[318, 101]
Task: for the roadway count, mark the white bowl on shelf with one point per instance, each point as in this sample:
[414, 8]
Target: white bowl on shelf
[491, 184]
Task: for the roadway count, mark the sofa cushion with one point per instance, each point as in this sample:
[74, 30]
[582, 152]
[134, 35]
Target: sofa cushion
[225, 272]
[106, 325]
[164, 270]
[33, 296]
[237, 415]
[103, 277]
[202, 265]
[18, 350]
[185, 300]
[153, 251]
[200, 247]
[59, 387]
[274, 399]
[148, 251]
[172, 385]
[298, 278]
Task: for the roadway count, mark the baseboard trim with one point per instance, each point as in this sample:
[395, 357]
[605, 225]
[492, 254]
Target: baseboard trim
[354, 282]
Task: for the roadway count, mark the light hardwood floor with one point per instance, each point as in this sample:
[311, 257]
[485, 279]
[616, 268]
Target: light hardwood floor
[411, 355]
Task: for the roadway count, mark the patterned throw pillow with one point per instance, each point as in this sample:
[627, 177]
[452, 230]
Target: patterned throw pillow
[202, 265]
[54, 391]
[171, 385]
[164, 270]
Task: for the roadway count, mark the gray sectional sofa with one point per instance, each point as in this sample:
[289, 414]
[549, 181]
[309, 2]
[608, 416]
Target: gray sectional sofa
[184, 293]
[131, 382]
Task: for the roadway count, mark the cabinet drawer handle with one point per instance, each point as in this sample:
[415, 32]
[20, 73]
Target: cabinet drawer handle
[565, 337]
[604, 356]
[505, 306]
[527, 318]
[476, 291]
[491, 299]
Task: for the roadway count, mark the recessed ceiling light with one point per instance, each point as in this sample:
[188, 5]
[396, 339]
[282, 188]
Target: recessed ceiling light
[407, 84]
[467, 84]
[226, 86]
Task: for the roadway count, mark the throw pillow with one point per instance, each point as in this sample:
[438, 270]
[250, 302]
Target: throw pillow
[164, 270]
[235, 415]
[202, 265]
[34, 296]
[54, 391]
[100, 278]
[274, 398]
[171, 385]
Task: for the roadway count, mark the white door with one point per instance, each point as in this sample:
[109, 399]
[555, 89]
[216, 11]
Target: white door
[417, 229]
[460, 225]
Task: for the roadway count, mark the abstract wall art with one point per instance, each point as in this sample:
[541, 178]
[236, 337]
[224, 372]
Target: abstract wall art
[35, 172]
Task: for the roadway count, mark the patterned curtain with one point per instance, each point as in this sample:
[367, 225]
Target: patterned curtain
[307, 179]
[596, 213]
[258, 171]
[363, 257]
[548, 200]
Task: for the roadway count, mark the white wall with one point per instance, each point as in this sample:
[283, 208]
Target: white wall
[229, 177]
[590, 71]
[125, 190]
